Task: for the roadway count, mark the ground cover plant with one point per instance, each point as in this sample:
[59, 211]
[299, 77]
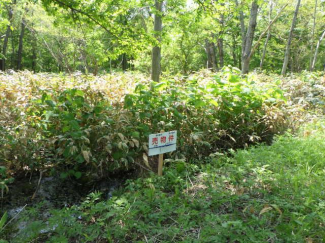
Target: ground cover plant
[262, 194]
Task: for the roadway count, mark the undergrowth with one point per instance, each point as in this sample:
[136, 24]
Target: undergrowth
[79, 126]
[261, 194]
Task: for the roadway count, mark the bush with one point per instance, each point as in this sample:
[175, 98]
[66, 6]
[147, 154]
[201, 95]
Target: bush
[86, 130]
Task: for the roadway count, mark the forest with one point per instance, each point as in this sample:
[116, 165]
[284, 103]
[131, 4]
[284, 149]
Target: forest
[86, 84]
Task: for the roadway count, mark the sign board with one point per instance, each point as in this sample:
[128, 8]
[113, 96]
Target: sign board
[161, 143]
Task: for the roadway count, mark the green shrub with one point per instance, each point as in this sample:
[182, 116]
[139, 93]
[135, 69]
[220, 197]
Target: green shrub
[81, 131]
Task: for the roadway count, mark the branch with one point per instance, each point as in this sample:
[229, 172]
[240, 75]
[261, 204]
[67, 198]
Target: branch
[267, 29]
[86, 14]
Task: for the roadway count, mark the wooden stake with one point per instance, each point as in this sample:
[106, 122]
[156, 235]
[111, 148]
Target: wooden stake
[160, 164]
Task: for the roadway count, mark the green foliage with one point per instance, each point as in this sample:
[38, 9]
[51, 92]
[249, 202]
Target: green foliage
[265, 193]
[3, 220]
[90, 129]
[5, 179]
[210, 112]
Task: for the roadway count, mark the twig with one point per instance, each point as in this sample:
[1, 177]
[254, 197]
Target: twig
[38, 184]
[143, 167]
[85, 14]
[131, 205]
[145, 237]
[190, 179]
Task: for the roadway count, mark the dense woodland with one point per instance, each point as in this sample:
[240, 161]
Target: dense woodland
[102, 36]
[83, 84]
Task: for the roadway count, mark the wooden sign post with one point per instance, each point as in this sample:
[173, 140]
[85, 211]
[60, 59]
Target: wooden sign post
[161, 143]
[160, 164]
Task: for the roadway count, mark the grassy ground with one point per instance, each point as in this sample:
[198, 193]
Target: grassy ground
[262, 194]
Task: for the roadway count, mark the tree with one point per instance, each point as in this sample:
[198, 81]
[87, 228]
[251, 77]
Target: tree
[287, 51]
[20, 46]
[316, 50]
[268, 35]
[313, 37]
[156, 50]
[248, 41]
[211, 54]
[8, 7]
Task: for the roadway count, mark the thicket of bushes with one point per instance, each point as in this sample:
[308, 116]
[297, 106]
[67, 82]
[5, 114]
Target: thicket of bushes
[80, 125]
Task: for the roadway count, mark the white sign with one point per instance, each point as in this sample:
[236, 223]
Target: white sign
[161, 143]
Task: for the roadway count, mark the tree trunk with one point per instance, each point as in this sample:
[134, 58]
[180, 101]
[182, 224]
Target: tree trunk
[313, 37]
[249, 38]
[316, 51]
[234, 47]
[211, 54]
[5, 41]
[287, 52]
[4, 49]
[124, 62]
[20, 46]
[220, 41]
[220, 52]
[242, 29]
[267, 37]
[34, 56]
[156, 50]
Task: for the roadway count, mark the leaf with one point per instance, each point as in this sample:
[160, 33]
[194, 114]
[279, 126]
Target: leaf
[119, 145]
[265, 210]
[145, 147]
[121, 136]
[86, 156]
[3, 220]
[136, 143]
[135, 134]
[215, 103]
[277, 208]
[128, 101]
[77, 174]
[145, 160]
[79, 93]
[50, 103]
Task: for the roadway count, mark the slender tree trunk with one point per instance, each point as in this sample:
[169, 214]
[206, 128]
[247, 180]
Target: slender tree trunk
[4, 49]
[249, 38]
[287, 52]
[20, 46]
[34, 56]
[234, 47]
[316, 51]
[220, 52]
[6, 39]
[124, 62]
[242, 29]
[267, 37]
[220, 41]
[156, 50]
[211, 54]
[313, 37]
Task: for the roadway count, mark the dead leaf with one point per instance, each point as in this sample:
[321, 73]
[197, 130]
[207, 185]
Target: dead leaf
[121, 136]
[265, 209]
[86, 156]
[145, 160]
[136, 142]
